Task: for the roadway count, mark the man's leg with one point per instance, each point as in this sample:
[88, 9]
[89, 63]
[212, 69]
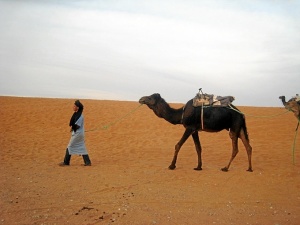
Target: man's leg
[67, 159]
[86, 159]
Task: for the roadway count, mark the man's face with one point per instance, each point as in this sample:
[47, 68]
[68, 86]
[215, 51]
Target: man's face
[75, 108]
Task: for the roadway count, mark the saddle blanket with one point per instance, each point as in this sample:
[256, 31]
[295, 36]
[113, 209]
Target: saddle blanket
[211, 100]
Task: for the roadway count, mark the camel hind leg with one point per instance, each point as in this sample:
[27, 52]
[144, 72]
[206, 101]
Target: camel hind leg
[235, 150]
[248, 147]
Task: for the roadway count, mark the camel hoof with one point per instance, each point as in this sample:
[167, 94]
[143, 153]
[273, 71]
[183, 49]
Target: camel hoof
[197, 168]
[225, 169]
[249, 170]
[171, 167]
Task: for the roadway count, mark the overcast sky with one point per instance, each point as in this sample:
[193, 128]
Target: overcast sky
[125, 49]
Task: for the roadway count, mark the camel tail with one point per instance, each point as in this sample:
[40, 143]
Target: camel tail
[244, 127]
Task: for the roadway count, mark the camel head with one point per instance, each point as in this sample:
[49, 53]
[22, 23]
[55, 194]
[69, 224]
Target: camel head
[151, 100]
[282, 99]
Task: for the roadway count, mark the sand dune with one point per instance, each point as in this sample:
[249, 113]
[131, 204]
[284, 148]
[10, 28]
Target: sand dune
[129, 181]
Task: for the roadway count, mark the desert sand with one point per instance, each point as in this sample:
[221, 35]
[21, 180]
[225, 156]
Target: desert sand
[129, 181]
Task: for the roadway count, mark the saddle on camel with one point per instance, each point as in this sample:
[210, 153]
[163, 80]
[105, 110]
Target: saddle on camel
[211, 100]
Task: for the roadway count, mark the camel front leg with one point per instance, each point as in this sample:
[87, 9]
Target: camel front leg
[198, 149]
[185, 136]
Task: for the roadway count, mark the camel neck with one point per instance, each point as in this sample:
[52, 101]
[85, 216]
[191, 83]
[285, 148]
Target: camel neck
[163, 110]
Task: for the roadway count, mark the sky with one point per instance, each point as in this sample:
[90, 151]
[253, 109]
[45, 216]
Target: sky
[126, 49]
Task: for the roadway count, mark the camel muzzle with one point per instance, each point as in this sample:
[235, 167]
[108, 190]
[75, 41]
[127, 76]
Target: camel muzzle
[142, 100]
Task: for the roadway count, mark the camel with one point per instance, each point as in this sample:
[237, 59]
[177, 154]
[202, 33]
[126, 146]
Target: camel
[215, 119]
[292, 105]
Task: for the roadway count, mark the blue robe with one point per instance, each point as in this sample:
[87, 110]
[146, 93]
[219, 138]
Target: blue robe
[76, 145]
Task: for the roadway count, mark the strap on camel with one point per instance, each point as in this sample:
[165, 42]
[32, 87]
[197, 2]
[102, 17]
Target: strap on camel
[202, 122]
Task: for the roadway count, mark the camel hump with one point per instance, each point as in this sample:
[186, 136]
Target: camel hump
[296, 98]
[211, 100]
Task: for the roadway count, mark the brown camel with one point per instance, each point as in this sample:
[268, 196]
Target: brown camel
[215, 119]
[292, 105]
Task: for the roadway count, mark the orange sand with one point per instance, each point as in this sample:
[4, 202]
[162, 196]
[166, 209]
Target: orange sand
[129, 181]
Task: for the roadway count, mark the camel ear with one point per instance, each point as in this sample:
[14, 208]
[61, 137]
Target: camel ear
[156, 96]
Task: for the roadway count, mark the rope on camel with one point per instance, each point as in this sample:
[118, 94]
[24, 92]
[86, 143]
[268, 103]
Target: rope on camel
[114, 122]
[132, 111]
[264, 116]
[294, 143]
